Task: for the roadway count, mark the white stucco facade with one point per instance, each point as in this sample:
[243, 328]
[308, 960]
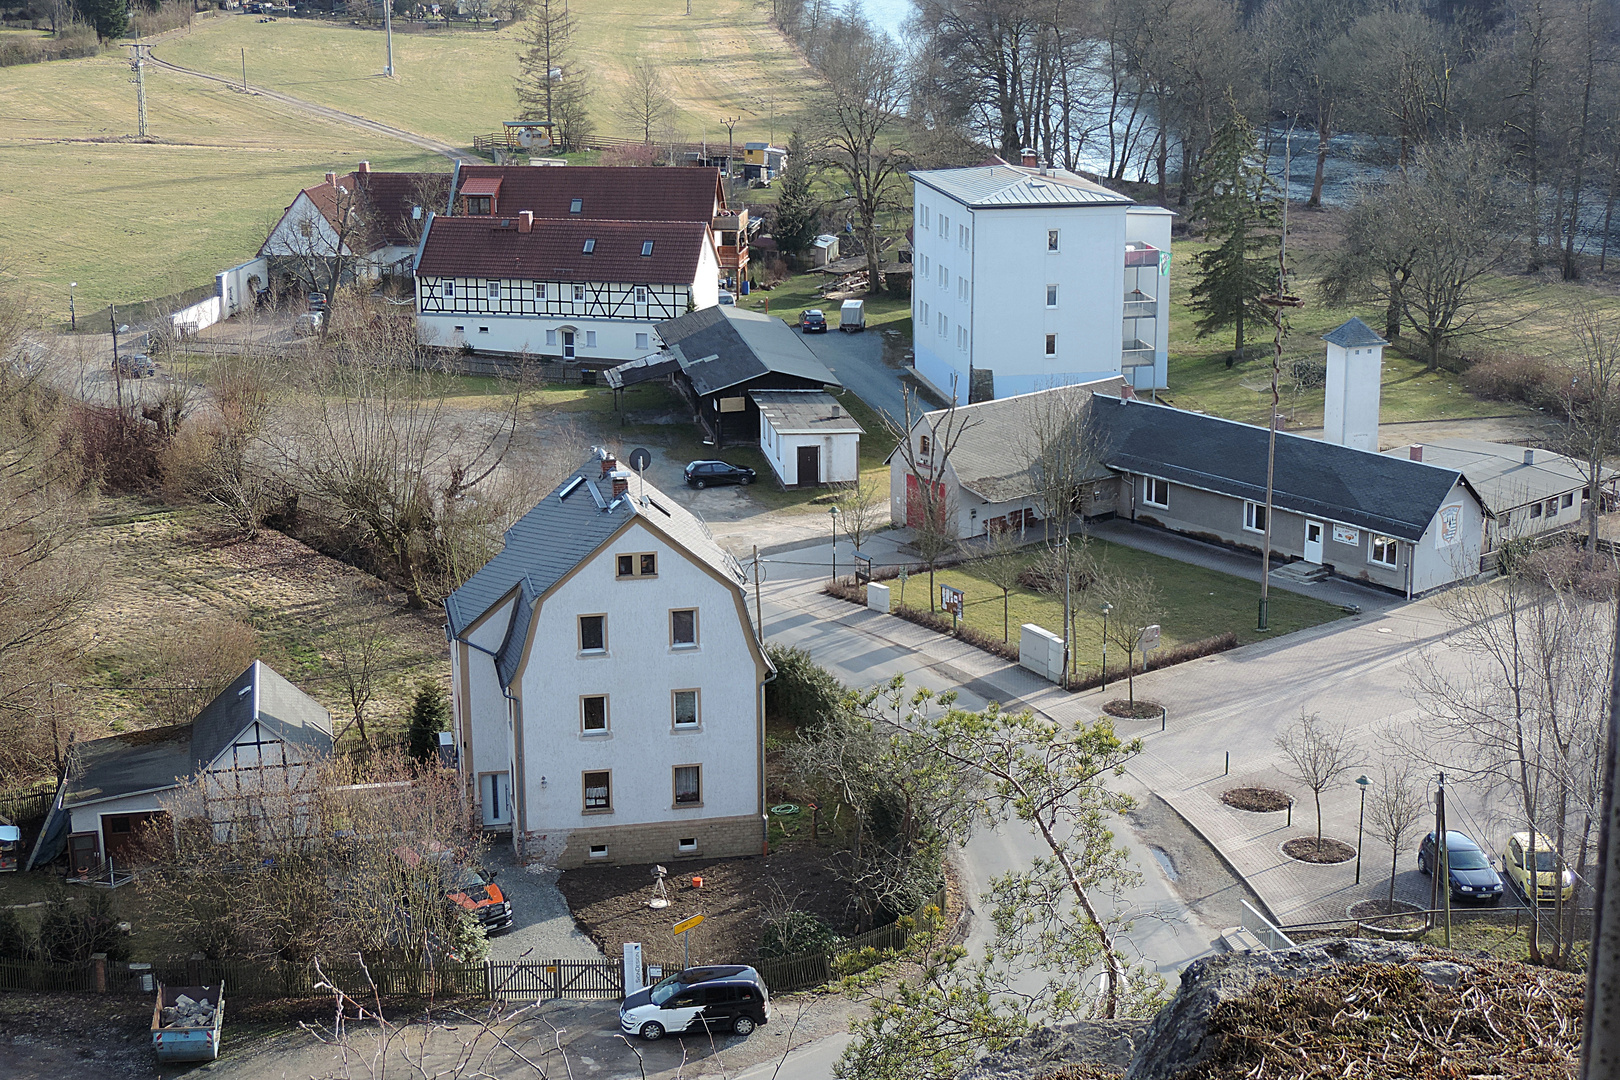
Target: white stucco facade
[1037, 295]
[1354, 384]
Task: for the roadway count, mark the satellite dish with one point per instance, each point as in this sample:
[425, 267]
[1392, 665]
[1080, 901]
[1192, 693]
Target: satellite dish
[640, 459]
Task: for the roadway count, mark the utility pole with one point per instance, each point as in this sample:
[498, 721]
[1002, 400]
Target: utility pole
[1600, 1047]
[1275, 303]
[244, 69]
[759, 619]
[1442, 871]
[118, 375]
[730, 124]
[388, 32]
[138, 62]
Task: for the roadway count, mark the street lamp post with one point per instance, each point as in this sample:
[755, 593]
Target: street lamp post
[73, 318]
[832, 516]
[1361, 782]
[1106, 608]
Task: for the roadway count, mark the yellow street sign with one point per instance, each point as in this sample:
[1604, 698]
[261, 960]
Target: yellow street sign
[687, 924]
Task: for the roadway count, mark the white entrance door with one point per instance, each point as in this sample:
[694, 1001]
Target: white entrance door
[495, 792]
[1313, 542]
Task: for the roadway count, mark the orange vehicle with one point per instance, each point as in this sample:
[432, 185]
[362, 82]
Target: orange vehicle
[476, 891]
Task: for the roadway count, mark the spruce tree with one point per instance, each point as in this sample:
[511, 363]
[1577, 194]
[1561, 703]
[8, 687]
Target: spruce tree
[797, 214]
[110, 18]
[1238, 202]
[430, 714]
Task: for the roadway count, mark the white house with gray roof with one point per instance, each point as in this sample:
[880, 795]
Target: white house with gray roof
[1026, 278]
[608, 682]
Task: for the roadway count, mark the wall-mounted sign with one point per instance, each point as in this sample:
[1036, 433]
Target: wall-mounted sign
[1344, 534]
[1450, 530]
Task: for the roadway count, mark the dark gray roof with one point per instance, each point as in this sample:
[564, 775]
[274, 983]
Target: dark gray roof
[1001, 186]
[1338, 483]
[1500, 473]
[725, 346]
[801, 412]
[158, 758]
[1353, 335]
[560, 532]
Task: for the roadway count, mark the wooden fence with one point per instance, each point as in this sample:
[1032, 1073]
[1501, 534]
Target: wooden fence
[491, 979]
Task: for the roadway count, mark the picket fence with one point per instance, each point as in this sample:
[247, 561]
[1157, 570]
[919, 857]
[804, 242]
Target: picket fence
[524, 980]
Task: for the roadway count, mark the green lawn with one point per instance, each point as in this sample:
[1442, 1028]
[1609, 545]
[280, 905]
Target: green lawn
[81, 201]
[883, 311]
[724, 60]
[1199, 603]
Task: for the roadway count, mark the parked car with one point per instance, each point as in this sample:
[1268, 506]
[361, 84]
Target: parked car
[727, 998]
[726, 299]
[1550, 873]
[702, 474]
[136, 365]
[317, 301]
[813, 321]
[1472, 877]
[474, 890]
[309, 324]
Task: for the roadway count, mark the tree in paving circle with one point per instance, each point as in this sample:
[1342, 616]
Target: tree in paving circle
[1395, 809]
[1238, 203]
[1316, 753]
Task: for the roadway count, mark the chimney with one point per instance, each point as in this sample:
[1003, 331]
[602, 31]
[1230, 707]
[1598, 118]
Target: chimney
[608, 464]
[1029, 160]
[363, 168]
[1415, 451]
[1529, 456]
[621, 482]
[331, 179]
[525, 221]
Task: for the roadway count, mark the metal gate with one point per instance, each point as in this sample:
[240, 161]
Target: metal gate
[530, 979]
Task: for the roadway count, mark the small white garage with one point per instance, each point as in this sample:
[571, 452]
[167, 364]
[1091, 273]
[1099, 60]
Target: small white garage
[808, 437]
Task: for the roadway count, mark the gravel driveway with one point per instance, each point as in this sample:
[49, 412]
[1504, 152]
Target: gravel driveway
[542, 926]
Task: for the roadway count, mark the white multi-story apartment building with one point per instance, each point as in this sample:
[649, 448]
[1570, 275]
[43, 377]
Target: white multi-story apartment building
[1026, 278]
[570, 289]
[608, 683]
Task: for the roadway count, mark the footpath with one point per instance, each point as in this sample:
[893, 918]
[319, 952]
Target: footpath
[1224, 715]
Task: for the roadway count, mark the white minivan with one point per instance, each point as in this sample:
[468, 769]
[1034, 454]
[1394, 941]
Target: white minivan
[716, 998]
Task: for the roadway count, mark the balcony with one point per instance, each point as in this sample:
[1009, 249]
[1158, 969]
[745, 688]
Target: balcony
[1138, 254]
[1139, 305]
[1136, 353]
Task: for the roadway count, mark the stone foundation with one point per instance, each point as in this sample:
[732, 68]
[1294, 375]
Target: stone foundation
[655, 842]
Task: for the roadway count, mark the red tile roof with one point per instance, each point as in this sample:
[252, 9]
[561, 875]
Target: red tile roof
[607, 193]
[555, 250]
[390, 198]
[482, 185]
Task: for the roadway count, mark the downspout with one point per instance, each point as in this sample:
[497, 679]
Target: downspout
[455, 185]
[1411, 554]
[764, 818]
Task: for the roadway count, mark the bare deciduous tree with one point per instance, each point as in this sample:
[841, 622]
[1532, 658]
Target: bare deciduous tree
[358, 649]
[1136, 604]
[1001, 566]
[863, 104]
[1316, 754]
[925, 441]
[860, 509]
[1591, 407]
[645, 105]
[1396, 809]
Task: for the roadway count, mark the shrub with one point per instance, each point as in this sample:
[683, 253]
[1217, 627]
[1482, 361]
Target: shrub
[16, 942]
[855, 594]
[74, 41]
[74, 930]
[170, 15]
[792, 933]
[803, 691]
[1511, 377]
[941, 623]
[123, 450]
[1163, 658]
[1045, 574]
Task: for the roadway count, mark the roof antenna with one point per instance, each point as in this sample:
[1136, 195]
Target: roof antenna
[639, 460]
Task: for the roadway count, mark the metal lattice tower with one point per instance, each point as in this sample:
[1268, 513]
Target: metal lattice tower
[138, 62]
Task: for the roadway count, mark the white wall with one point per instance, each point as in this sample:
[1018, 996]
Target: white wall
[290, 236]
[840, 459]
[1350, 413]
[1007, 268]
[483, 730]
[615, 338]
[88, 818]
[1434, 563]
[638, 673]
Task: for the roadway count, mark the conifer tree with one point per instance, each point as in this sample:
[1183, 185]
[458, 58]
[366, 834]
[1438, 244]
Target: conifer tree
[797, 215]
[1238, 202]
[430, 714]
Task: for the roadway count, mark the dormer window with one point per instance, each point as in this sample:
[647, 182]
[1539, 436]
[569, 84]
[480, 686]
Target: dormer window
[646, 248]
[576, 206]
[590, 247]
[479, 204]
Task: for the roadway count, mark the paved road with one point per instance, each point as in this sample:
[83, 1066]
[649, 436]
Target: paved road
[857, 360]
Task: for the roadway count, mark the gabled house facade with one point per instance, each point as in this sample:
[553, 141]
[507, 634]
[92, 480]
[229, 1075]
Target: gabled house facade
[608, 682]
[566, 289]
[117, 785]
[370, 219]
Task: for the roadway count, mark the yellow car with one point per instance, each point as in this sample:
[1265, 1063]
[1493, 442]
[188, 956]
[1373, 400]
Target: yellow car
[1549, 870]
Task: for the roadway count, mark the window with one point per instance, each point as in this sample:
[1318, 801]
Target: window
[551, 337]
[590, 339]
[683, 626]
[685, 704]
[962, 237]
[641, 294]
[922, 446]
[598, 795]
[1254, 517]
[925, 266]
[598, 851]
[493, 289]
[924, 209]
[483, 329]
[593, 716]
[539, 290]
[961, 288]
[579, 292]
[1535, 510]
[1382, 551]
[478, 204]
[641, 341]
[1156, 492]
[640, 564]
[590, 246]
[1569, 499]
[961, 338]
[576, 205]
[1552, 507]
[688, 785]
[1051, 296]
[459, 329]
[925, 313]
[1051, 344]
[944, 276]
[686, 844]
[593, 633]
[646, 248]
[944, 227]
[1051, 239]
[944, 324]
[450, 288]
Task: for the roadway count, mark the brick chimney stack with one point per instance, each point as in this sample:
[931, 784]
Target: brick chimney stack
[621, 482]
[331, 179]
[1415, 451]
[608, 465]
[525, 221]
[1029, 159]
[363, 168]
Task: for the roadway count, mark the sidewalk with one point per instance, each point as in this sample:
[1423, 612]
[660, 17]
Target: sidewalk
[1235, 703]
